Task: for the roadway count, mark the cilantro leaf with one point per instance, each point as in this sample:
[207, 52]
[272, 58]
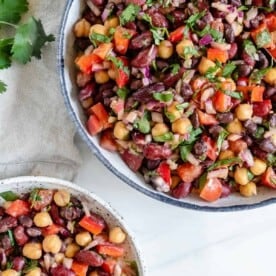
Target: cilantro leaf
[163, 97]
[191, 21]
[9, 196]
[11, 10]
[222, 135]
[129, 14]
[263, 38]
[122, 92]
[163, 138]
[249, 47]
[190, 51]
[185, 150]
[3, 87]
[119, 64]
[211, 72]
[10, 234]
[257, 75]
[224, 162]
[5, 52]
[143, 124]
[228, 69]
[28, 41]
[95, 37]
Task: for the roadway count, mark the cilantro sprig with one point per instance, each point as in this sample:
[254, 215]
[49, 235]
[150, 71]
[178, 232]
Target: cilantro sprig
[28, 37]
[129, 14]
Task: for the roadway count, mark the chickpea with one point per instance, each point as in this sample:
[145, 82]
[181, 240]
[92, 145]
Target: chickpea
[180, 47]
[111, 73]
[34, 272]
[52, 244]
[165, 49]
[205, 64]
[94, 273]
[120, 131]
[116, 235]
[235, 127]
[248, 190]
[101, 77]
[61, 198]
[71, 250]
[159, 129]
[226, 154]
[182, 126]
[228, 85]
[82, 28]
[99, 29]
[172, 112]
[259, 167]
[270, 76]
[83, 238]
[175, 181]
[244, 112]
[112, 22]
[42, 219]
[87, 103]
[32, 250]
[241, 176]
[59, 258]
[9, 272]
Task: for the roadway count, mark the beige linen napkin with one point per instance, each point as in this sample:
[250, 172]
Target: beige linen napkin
[36, 135]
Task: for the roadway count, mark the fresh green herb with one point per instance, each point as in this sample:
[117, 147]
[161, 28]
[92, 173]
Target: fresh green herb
[271, 158]
[129, 14]
[190, 51]
[185, 151]
[191, 21]
[170, 17]
[9, 196]
[163, 97]
[3, 87]
[163, 138]
[126, 35]
[122, 92]
[150, 3]
[243, 8]
[10, 234]
[11, 11]
[5, 52]
[169, 115]
[95, 37]
[211, 73]
[222, 135]
[134, 267]
[233, 94]
[263, 38]
[182, 106]
[216, 35]
[175, 68]
[249, 47]
[250, 175]
[224, 162]
[202, 180]
[228, 69]
[34, 196]
[193, 135]
[111, 31]
[9, 265]
[259, 132]
[119, 64]
[143, 124]
[30, 264]
[258, 74]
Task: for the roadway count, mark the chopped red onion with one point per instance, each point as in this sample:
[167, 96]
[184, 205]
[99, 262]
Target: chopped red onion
[146, 81]
[157, 117]
[145, 71]
[233, 137]
[97, 67]
[206, 94]
[221, 7]
[252, 13]
[93, 8]
[205, 40]
[209, 107]
[67, 262]
[178, 98]
[86, 92]
[230, 18]
[221, 46]
[220, 173]
[225, 145]
[188, 75]
[191, 158]
[247, 157]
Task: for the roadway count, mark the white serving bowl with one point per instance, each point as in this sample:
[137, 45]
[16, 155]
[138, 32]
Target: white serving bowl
[25, 184]
[113, 162]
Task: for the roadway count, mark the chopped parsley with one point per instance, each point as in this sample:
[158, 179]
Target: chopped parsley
[34, 196]
[185, 151]
[258, 74]
[249, 48]
[119, 64]
[9, 196]
[211, 73]
[182, 106]
[95, 37]
[164, 138]
[228, 69]
[129, 14]
[10, 234]
[163, 97]
[191, 21]
[143, 124]
[263, 38]
[222, 135]
[122, 92]
[224, 162]
[233, 94]
[216, 35]
[190, 51]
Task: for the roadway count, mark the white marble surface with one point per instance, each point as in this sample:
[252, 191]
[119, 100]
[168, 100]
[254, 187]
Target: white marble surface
[176, 241]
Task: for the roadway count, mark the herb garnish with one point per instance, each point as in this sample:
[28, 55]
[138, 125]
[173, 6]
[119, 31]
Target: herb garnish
[163, 97]
[95, 37]
[129, 14]
[122, 92]
[34, 196]
[119, 64]
[224, 162]
[263, 38]
[249, 48]
[10, 234]
[9, 196]
[228, 69]
[143, 124]
[222, 135]
[164, 138]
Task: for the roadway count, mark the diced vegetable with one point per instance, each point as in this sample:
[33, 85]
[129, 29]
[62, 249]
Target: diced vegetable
[85, 62]
[122, 38]
[211, 190]
[217, 55]
[103, 50]
[269, 178]
[92, 224]
[206, 119]
[18, 208]
[94, 125]
[110, 250]
[80, 269]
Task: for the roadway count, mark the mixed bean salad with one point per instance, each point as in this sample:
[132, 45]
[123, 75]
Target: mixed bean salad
[50, 232]
[183, 90]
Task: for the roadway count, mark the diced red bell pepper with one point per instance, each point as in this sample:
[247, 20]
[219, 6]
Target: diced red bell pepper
[85, 62]
[94, 125]
[262, 108]
[18, 208]
[217, 55]
[206, 119]
[101, 113]
[80, 269]
[189, 172]
[257, 94]
[221, 101]
[177, 35]
[211, 190]
[165, 172]
[122, 38]
[212, 151]
[272, 52]
[110, 249]
[51, 230]
[103, 50]
[92, 224]
[109, 265]
[269, 178]
[270, 21]
[107, 141]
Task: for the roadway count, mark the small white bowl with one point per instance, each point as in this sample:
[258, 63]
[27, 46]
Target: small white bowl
[25, 184]
[113, 162]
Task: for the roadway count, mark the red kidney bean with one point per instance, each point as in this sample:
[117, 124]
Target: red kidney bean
[5, 242]
[267, 145]
[152, 164]
[90, 16]
[260, 109]
[200, 147]
[233, 50]
[215, 131]
[225, 118]
[138, 138]
[154, 151]
[136, 84]
[186, 91]
[195, 120]
[33, 232]
[2, 212]
[256, 151]
[159, 20]
[170, 79]
[229, 33]
[7, 223]
[19, 235]
[89, 257]
[248, 59]
[262, 62]
[131, 26]
[18, 263]
[25, 221]
[226, 190]
[244, 70]
[134, 161]
[178, 18]
[272, 120]
[182, 190]
[82, 43]
[141, 41]
[54, 211]
[70, 213]
[136, 2]
[269, 92]
[145, 57]
[248, 140]
[250, 126]
[144, 94]
[46, 197]
[62, 271]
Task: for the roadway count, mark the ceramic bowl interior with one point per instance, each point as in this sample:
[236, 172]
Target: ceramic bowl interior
[22, 185]
[113, 162]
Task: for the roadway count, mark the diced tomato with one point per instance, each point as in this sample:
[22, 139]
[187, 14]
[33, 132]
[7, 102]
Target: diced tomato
[269, 178]
[92, 224]
[262, 109]
[211, 190]
[85, 62]
[217, 55]
[80, 269]
[107, 141]
[165, 172]
[51, 230]
[101, 113]
[212, 151]
[257, 94]
[189, 172]
[221, 101]
[18, 208]
[122, 38]
[255, 34]
[206, 119]
[246, 90]
[121, 74]
[109, 265]
[272, 52]
[94, 126]
[103, 50]
[110, 250]
[177, 35]
[270, 21]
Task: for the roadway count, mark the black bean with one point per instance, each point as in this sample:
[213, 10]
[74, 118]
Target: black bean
[7, 223]
[70, 213]
[262, 62]
[33, 232]
[244, 70]
[25, 221]
[195, 120]
[250, 126]
[90, 16]
[82, 43]
[269, 92]
[186, 91]
[229, 33]
[200, 147]
[267, 146]
[225, 118]
[272, 120]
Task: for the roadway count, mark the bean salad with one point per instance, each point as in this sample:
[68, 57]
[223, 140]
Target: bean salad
[50, 232]
[183, 90]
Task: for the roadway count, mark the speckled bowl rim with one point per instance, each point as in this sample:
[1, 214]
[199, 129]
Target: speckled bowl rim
[108, 164]
[87, 193]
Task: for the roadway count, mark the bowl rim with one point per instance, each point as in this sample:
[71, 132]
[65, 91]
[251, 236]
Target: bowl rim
[73, 186]
[159, 196]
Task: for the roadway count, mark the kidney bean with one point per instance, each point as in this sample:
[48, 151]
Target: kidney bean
[18, 263]
[170, 79]
[46, 197]
[7, 223]
[250, 126]
[152, 164]
[134, 161]
[256, 151]
[141, 41]
[19, 235]
[90, 16]
[269, 92]
[248, 59]
[226, 190]
[131, 26]
[178, 18]
[248, 140]
[142, 26]
[182, 190]
[136, 2]
[61, 270]
[195, 120]
[233, 50]
[215, 131]
[97, 2]
[272, 120]
[136, 84]
[200, 147]
[205, 20]
[159, 20]
[2, 212]
[262, 62]
[64, 232]
[138, 138]
[89, 257]
[54, 211]
[186, 91]
[144, 94]
[229, 33]
[267, 146]
[145, 57]
[33, 232]
[70, 213]
[82, 43]
[25, 221]
[225, 118]
[154, 151]
[5, 242]
[244, 70]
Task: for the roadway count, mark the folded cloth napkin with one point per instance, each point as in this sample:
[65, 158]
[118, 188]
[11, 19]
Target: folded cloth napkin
[36, 135]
